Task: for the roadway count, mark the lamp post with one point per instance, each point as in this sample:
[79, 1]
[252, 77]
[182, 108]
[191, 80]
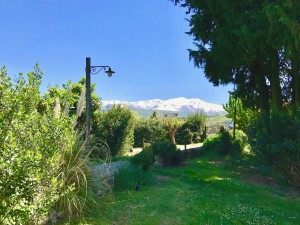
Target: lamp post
[88, 71]
[234, 118]
[234, 112]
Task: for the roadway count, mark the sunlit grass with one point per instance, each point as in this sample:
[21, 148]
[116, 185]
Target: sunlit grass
[202, 191]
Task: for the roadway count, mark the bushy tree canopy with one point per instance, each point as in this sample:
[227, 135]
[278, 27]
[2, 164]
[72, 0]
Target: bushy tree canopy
[116, 127]
[148, 130]
[253, 44]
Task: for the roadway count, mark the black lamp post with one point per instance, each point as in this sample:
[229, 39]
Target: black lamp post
[234, 112]
[92, 70]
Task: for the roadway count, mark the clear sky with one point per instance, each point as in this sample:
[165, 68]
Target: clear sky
[143, 41]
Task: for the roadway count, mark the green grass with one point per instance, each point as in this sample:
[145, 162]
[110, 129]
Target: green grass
[205, 190]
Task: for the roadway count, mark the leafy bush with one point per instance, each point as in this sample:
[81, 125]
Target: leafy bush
[243, 116]
[148, 130]
[144, 158]
[196, 123]
[225, 141]
[116, 127]
[276, 142]
[40, 157]
[241, 138]
[168, 152]
[128, 177]
[184, 136]
[211, 143]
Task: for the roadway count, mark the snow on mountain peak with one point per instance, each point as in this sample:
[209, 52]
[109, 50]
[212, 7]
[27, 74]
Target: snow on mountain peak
[180, 104]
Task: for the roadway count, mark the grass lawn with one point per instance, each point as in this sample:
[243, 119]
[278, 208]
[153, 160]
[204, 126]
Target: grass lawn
[205, 190]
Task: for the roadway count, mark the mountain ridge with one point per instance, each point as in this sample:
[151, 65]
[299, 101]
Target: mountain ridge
[180, 104]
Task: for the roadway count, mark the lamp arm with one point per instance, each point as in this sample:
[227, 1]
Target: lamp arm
[97, 69]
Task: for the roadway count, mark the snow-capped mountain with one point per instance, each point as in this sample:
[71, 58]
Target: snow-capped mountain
[183, 105]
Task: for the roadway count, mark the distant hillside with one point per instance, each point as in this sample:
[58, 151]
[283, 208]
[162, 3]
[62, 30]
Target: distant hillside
[214, 122]
[182, 106]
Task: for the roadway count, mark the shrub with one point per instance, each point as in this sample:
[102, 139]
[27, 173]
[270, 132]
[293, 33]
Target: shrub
[184, 136]
[168, 152]
[196, 123]
[149, 130]
[144, 158]
[40, 157]
[128, 177]
[225, 141]
[116, 127]
[241, 138]
[276, 142]
[211, 143]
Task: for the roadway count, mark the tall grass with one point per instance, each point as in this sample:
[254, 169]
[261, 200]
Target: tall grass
[76, 173]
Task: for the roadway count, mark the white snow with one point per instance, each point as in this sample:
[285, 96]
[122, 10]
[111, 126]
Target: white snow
[180, 104]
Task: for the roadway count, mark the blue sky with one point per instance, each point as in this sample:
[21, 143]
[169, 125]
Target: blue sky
[143, 41]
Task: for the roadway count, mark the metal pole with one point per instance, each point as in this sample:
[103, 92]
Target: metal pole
[234, 112]
[234, 118]
[88, 96]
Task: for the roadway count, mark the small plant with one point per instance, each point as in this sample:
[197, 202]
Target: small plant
[168, 152]
[128, 177]
[211, 143]
[144, 158]
[225, 141]
[225, 145]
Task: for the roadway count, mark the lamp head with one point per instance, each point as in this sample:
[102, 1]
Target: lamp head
[109, 72]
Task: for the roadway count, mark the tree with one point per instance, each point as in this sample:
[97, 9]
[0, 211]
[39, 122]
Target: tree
[242, 43]
[192, 129]
[196, 124]
[171, 125]
[243, 117]
[148, 130]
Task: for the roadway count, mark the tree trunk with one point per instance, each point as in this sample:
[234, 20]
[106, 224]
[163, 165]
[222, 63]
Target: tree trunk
[296, 78]
[276, 93]
[143, 143]
[262, 87]
[172, 137]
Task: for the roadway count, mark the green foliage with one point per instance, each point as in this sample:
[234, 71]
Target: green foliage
[168, 152]
[116, 127]
[192, 130]
[30, 151]
[196, 124]
[148, 130]
[184, 136]
[69, 97]
[128, 177]
[41, 160]
[243, 116]
[224, 144]
[241, 138]
[171, 125]
[275, 140]
[144, 158]
[260, 38]
[211, 143]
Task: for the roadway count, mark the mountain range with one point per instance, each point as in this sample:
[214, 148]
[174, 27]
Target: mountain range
[181, 105]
